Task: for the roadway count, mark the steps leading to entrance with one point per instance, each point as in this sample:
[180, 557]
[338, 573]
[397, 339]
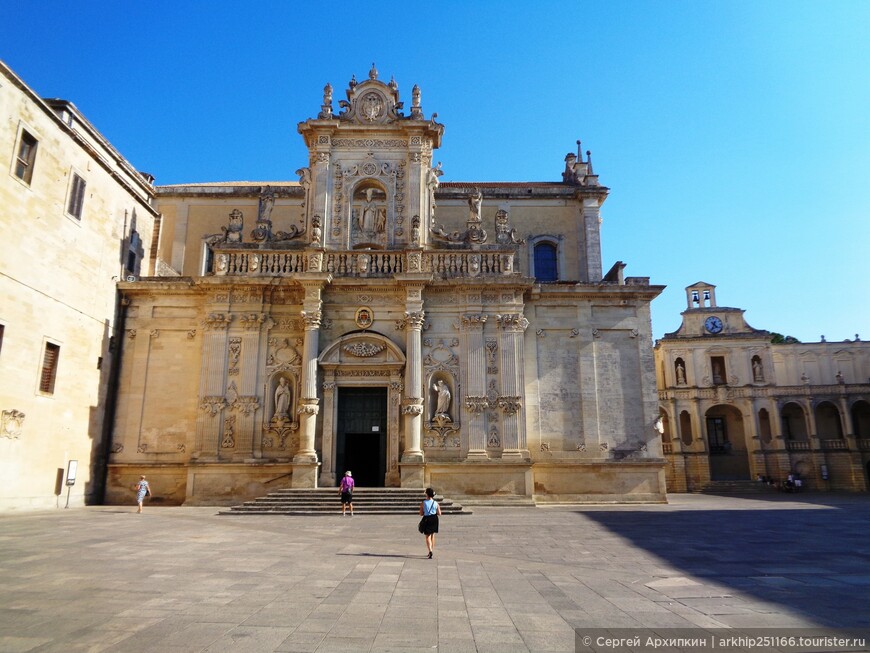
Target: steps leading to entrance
[325, 501]
[737, 487]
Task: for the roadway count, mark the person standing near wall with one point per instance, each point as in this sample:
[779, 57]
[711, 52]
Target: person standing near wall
[143, 489]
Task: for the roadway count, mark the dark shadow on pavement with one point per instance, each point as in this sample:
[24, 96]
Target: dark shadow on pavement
[812, 556]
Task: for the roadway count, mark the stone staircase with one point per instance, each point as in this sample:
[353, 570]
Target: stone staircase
[738, 487]
[325, 501]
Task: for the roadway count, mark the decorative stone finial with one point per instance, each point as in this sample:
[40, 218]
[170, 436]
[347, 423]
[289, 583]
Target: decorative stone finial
[373, 73]
[589, 161]
[393, 84]
[352, 82]
[579, 151]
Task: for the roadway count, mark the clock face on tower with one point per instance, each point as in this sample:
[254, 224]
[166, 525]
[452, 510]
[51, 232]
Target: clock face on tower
[713, 324]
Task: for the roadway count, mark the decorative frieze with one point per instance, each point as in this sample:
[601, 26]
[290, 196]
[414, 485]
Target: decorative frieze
[246, 404]
[476, 405]
[472, 322]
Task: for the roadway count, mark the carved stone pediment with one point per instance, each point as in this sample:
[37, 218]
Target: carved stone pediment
[369, 349]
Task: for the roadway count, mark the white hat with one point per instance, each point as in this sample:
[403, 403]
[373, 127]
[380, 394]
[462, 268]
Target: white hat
[348, 474]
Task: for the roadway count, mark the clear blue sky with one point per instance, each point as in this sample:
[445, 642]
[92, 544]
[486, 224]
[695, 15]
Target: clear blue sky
[734, 136]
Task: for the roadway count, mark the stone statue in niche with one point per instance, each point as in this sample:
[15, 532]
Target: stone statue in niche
[757, 371]
[442, 403]
[282, 400]
[681, 374]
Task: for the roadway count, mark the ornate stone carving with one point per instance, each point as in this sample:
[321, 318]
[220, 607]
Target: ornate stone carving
[228, 441]
[117, 447]
[191, 334]
[212, 404]
[512, 322]
[246, 405]
[311, 319]
[476, 405]
[413, 407]
[232, 233]
[473, 321]
[235, 350]
[155, 333]
[494, 442]
[217, 321]
[510, 405]
[364, 349]
[11, 422]
[131, 334]
[252, 321]
[504, 235]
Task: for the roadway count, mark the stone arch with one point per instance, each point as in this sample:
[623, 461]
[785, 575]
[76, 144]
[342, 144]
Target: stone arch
[726, 443]
[861, 419]
[686, 428]
[829, 425]
[794, 422]
[764, 430]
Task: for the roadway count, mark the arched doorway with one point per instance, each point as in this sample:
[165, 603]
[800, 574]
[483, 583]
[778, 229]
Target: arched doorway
[726, 444]
[794, 422]
[861, 419]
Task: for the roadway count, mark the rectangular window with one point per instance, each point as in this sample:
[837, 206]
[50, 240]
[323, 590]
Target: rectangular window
[49, 368]
[76, 197]
[26, 157]
[717, 364]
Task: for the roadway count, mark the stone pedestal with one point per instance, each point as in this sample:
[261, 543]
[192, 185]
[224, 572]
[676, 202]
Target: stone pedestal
[412, 474]
[304, 474]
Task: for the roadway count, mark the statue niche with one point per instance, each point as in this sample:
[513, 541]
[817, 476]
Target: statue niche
[369, 216]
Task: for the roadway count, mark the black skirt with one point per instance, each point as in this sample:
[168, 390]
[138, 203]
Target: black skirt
[428, 525]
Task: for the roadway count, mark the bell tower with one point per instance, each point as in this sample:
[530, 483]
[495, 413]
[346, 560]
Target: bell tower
[370, 183]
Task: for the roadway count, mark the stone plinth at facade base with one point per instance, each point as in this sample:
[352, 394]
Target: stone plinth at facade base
[199, 484]
[552, 482]
[412, 474]
[305, 474]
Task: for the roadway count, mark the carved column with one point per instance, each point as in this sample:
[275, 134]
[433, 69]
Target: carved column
[211, 386]
[246, 404]
[308, 404]
[327, 471]
[412, 407]
[510, 402]
[475, 398]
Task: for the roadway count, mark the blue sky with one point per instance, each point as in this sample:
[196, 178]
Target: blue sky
[734, 136]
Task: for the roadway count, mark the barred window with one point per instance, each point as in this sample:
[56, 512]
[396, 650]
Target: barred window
[49, 368]
[545, 262]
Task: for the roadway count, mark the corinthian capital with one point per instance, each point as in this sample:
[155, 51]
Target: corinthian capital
[512, 322]
[311, 319]
[473, 321]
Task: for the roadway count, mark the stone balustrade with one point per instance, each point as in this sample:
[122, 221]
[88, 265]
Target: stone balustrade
[362, 263]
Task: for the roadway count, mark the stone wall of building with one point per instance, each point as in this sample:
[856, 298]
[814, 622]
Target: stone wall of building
[60, 263]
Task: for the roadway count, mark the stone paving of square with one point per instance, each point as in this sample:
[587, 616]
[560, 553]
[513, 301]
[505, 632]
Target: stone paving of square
[502, 580]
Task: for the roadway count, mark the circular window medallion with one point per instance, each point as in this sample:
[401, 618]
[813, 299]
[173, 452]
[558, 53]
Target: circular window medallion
[369, 168]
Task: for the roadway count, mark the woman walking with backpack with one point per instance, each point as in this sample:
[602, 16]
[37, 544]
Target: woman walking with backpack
[430, 510]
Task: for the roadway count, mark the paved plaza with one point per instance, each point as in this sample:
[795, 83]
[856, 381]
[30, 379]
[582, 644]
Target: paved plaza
[502, 580]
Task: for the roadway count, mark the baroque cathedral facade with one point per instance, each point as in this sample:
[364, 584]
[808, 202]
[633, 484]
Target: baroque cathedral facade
[373, 317]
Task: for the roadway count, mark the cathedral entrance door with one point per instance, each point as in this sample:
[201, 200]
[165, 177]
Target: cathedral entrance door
[361, 435]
